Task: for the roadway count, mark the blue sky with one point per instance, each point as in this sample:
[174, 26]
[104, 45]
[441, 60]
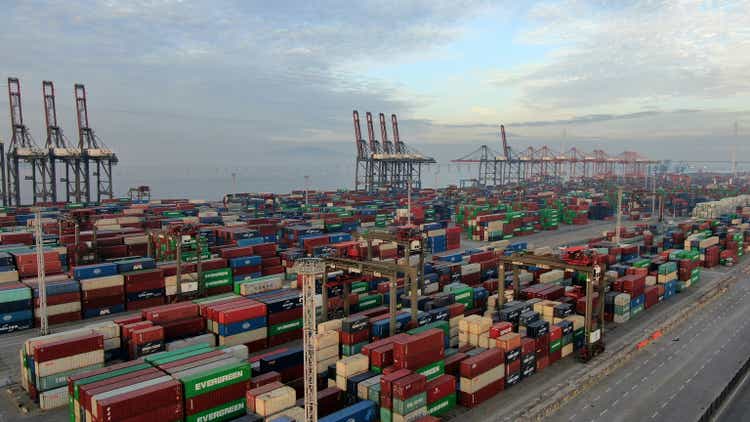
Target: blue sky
[253, 84]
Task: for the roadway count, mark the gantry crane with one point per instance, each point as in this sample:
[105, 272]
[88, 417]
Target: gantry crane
[60, 150]
[22, 148]
[594, 337]
[93, 150]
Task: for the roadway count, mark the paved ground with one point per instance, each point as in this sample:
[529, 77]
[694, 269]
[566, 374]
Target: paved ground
[676, 377]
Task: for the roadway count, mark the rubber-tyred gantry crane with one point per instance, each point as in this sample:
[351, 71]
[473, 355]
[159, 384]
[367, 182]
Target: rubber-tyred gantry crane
[61, 150]
[93, 151]
[22, 148]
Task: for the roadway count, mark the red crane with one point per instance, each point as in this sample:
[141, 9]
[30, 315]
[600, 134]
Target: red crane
[396, 138]
[387, 146]
[374, 147]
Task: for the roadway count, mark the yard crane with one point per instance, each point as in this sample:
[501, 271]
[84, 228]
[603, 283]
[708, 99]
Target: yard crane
[594, 279]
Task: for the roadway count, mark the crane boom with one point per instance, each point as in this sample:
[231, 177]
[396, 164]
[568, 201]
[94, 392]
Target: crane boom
[358, 134]
[85, 134]
[506, 150]
[396, 138]
[54, 132]
[374, 147]
[387, 147]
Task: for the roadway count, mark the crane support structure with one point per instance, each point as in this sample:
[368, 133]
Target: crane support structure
[594, 280]
[61, 151]
[93, 151]
[382, 164]
[23, 149]
[307, 271]
[544, 164]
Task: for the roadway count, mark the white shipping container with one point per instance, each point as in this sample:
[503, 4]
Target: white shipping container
[472, 385]
[352, 365]
[8, 276]
[246, 337]
[112, 343]
[331, 325]
[328, 353]
[53, 399]
[63, 308]
[324, 364]
[325, 340]
[135, 240]
[68, 363]
[102, 282]
[275, 401]
[108, 329]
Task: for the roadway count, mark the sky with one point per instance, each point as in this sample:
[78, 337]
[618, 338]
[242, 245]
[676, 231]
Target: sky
[190, 92]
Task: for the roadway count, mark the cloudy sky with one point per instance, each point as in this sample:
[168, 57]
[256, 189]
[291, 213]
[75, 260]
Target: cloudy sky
[188, 93]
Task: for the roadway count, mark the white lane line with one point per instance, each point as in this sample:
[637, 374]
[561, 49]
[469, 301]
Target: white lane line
[603, 412]
[614, 403]
[572, 417]
[644, 379]
[661, 364]
[625, 394]
[608, 389]
[654, 415]
[663, 405]
[633, 387]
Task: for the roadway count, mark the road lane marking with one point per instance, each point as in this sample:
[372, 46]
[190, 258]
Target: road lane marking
[603, 412]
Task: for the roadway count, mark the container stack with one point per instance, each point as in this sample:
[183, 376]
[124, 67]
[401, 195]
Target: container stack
[482, 376]
[349, 367]
[144, 288]
[241, 321]
[270, 400]
[327, 344]
[48, 361]
[246, 267]
[284, 315]
[179, 320]
[63, 299]
[102, 289]
[474, 330]
[441, 395]
[214, 387]
[355, 333]
[423, 353]
[15, 307]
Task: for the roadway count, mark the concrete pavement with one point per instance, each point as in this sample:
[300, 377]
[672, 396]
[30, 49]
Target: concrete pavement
[676, 377]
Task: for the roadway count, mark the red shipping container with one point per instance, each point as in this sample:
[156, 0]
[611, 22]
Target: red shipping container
[187, 327]
[167, 413]
[255, 392]
[144, 303]
[472, 400]
[481, 363]
[139, 286]
[513, 367]
[453, 362]
[263, 379]
[147, 335]
[528, 346]
[214, 398]
[59, 318]
[409, 386]
[67, 347]
[102, 293]
[555, 356]
[139, 402]
[440, 387]
[127, 320]
[500, 328]
[382, 356]
[354, 338]
[542, 362]
[249, 311]
[85, 392]
[236, 252]
[387, 380]
[285, 316]
[652, 296]
[102, 302]
[171, 312]
[419, 350]
[456, 309]
[368, 348]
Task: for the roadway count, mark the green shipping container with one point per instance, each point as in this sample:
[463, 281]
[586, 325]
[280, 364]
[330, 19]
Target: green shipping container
[215, 379]
[351, 350]
[442, 406]
[432, 370]
[53, 381]
[555, 345]
[359, 287]
[370, 301]
[373, 393]
[409, 405]
[440, 325]
[385, 415]
[218, 277]
[285, 327]
[224, 412]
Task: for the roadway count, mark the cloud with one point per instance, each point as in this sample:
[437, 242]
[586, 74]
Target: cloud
[597, 118]
[634, 54]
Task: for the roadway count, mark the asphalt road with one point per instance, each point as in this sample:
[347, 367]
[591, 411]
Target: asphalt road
[676, 377]
[737, 407]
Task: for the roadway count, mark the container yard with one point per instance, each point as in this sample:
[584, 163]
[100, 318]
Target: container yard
[423, 305]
